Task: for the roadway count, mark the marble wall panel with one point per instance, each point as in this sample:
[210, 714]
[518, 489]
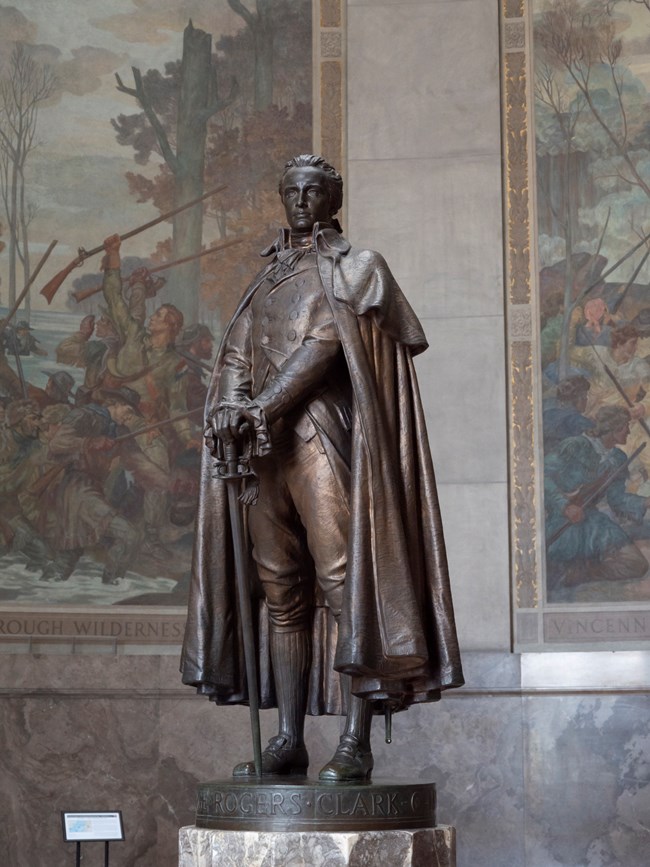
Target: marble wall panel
[527, 779]
[437, 222]
[436, 100]
[587, 780]
[77, 754]
[472, 749]
[463, 390]
[475, 521]
[51, 671]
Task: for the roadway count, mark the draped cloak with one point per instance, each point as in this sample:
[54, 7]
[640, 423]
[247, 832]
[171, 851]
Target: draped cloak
[396, 635]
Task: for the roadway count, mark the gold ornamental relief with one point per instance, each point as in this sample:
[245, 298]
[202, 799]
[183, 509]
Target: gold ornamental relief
[524, 560]
[516, 147]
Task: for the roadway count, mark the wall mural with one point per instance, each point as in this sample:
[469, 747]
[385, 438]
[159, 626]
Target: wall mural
[113, 115]
[589, 107]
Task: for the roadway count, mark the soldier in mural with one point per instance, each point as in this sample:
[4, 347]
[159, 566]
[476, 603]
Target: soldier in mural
[20, 457]
[196, 347]
[585, 543]
[563, 414]
[76, 514]
[147, 361]
[24, 341]
[80, 350]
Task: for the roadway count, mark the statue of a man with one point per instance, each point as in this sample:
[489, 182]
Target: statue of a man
[317, 366]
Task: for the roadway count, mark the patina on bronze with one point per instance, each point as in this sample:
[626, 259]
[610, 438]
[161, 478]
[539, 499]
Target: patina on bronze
[300, 804]
[353, 606]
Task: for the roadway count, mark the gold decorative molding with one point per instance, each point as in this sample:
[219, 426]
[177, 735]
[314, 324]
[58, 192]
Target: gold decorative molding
[331, 13]
[516, 164]
[523, 478]
[329, 82]
[513, 8]
[524, 486]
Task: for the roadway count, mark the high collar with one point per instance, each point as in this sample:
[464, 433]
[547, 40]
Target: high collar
[325, 240]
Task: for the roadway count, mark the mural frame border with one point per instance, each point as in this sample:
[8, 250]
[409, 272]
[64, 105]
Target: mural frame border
[536, 624]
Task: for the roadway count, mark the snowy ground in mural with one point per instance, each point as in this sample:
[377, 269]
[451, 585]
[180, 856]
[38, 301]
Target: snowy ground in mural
[84, 587]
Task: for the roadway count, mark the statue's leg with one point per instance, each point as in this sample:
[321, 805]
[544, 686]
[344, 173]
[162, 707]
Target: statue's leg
[352, 761]
[325, 517]
[279, 555]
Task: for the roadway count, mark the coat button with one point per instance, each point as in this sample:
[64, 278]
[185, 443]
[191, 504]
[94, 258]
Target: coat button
[265, 339]
[294, 314]
[291, 335]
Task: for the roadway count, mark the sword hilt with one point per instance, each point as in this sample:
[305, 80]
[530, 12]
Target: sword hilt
[230, 464]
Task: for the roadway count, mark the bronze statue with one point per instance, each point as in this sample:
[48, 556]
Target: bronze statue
[315, 378]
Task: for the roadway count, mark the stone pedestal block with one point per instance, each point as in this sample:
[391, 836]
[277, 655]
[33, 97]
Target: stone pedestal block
[425, 847]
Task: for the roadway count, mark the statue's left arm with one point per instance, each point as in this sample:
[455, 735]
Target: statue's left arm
[305, 370]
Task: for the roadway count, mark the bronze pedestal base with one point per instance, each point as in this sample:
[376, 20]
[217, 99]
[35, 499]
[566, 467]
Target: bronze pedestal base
[301, 804]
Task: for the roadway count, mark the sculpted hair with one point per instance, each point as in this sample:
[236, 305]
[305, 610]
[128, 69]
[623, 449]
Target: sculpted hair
[333, 178]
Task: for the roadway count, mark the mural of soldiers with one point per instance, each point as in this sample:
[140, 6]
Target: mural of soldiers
[58, 389]
[79, 350]
[196, 347]
[25, 342]
[20, 453]
[141, 286]
[10, 386]
[593, 546]
[76, 512]
[147, 362]
[563, 415]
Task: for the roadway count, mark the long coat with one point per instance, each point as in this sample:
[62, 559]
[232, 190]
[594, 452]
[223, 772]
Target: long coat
[396, 635]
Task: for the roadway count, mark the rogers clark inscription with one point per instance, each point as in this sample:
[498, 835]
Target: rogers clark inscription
[229, 804]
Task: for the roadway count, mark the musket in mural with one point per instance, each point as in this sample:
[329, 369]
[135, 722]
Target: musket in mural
[592, 105]
[161, 135]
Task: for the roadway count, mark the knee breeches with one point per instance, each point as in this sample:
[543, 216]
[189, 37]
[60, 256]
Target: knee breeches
[299, 529]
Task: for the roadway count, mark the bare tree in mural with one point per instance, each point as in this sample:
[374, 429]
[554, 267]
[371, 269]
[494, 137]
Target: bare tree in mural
[25, 86]
[612, 3]
[261, 25]
[565, 112]
[580, 77]
[196, 102]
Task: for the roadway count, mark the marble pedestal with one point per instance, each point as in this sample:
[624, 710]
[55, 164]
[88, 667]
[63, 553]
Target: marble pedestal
[424, 847]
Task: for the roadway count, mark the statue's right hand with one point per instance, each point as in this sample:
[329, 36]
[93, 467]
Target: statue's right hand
[227, 422]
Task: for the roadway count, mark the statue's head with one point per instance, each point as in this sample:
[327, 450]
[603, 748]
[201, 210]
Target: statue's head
[311, 191]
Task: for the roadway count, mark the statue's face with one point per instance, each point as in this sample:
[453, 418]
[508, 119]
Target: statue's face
[306, 198]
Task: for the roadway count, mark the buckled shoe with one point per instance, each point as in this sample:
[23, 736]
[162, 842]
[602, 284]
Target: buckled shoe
[278, 759]
[351, 763]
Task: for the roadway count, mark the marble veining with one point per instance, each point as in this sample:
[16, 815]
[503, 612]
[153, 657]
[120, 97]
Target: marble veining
[199, 847]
